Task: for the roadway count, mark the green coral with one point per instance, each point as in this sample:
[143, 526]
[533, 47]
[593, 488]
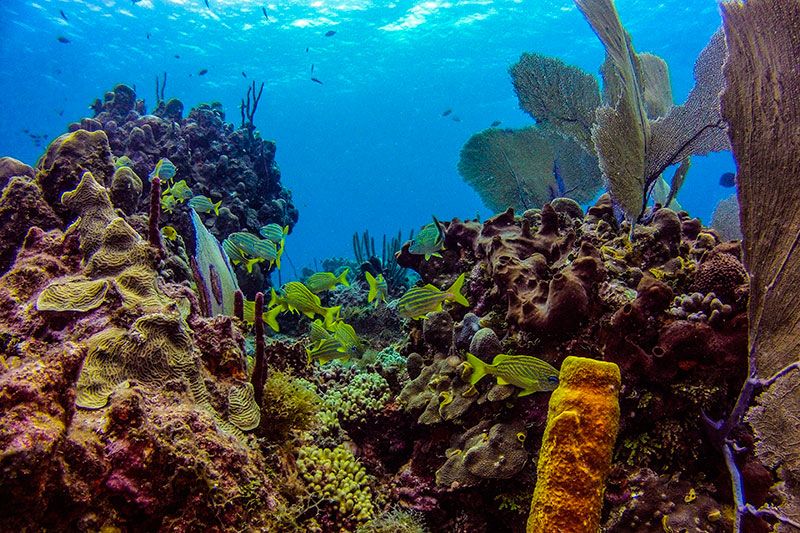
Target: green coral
[358, 400]
[335, 474]
[293, 405]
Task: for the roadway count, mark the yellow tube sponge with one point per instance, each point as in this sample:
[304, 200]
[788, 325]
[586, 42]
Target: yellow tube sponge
[582, 424]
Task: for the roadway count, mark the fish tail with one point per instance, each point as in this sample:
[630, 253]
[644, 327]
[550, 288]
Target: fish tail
[478, 369]
[455, 290]
[216, 208]
[273, 299]
[343, 277]
[279, 254]
[308, 354]
[331, 315]
[270, 318]
[286, 230]
[373, 287]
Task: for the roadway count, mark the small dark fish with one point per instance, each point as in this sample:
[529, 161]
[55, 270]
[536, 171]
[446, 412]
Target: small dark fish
[63, 16]
[456, 119]
[244, 74]
[135, 1]
[728, 179]
[495, 124]
[25, 130]
[315, 80]
[312, 68]
[330, 33]
[208, 6]
[148, 36]
[203, 72]
[63, 39]
[264, 10]
[177, 56]
[306, 49]
[61, 113]
[446, 112]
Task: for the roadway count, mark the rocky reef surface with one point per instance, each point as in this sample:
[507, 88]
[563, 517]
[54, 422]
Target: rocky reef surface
[125, 408]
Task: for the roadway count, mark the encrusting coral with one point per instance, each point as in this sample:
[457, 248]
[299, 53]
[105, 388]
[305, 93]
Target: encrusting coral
[577, 446]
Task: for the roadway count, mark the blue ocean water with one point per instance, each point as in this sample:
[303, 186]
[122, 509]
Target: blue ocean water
[366, 149]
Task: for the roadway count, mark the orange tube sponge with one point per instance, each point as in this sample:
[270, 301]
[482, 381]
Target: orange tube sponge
[582, 424]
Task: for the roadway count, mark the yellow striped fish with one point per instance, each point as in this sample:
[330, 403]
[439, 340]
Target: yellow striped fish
[317, 332]
[377, 287]
[347, 336]
[419, 301]
[327, 350]
[296, 297]
[528, 373]
[325, 281]
[274, 232]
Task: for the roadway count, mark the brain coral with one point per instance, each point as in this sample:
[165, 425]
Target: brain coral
[721, 274]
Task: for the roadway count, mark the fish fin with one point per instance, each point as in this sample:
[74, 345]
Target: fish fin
[308, 354]
[499, 358]
[373, 287]
[273, 299]
[279, 254]
[286, 229]
[309, 314]
[216, 208]
[427, 256]
[343, 277]
[478, 369]
[436, 254]
[270, 316]
[501, 381]
[526, 392]
[455, 290]
[331, 315]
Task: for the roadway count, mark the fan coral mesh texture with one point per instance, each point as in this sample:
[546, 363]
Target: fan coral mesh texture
[762, 107]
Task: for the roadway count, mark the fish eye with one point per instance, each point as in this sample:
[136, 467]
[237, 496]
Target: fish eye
[553, 379]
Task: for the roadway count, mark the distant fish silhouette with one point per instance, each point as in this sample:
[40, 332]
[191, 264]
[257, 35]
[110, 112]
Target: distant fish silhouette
[208, 6]
[63, 16]
[728, 179]
[446, 112]
[264, 10]
[135, 1]
[456, 119]
[177, 56]
[63, 39]
[306, 49]
[315, 80]
[203, 72]
[148, 36]
[244, 74]
[61, 113]
[495, 124]
[330, 33]
[312, 68]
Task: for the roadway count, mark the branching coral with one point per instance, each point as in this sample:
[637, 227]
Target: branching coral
[335, 474]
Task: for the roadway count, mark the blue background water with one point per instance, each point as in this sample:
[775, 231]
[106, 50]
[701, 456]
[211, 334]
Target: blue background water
[370, 148]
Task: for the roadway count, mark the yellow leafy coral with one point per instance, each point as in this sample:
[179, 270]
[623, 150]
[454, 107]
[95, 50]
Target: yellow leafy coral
[582, 425]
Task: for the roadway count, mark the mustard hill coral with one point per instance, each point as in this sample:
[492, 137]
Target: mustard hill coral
[575, 457]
